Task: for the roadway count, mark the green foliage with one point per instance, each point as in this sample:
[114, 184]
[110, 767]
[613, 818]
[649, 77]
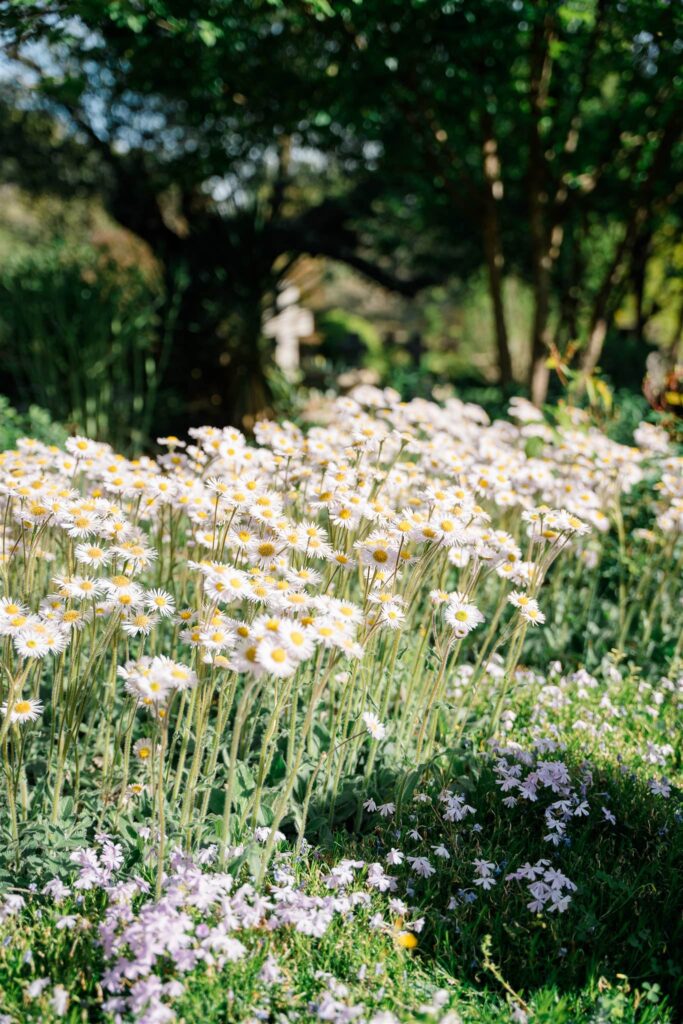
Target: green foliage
[81, 336]
[350, 340]
[622, 919]
[537, 140]
[35, 422]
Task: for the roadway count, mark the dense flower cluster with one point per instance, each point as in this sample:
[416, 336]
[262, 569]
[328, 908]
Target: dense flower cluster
[431, 863]
[208, 612]
[205, 920]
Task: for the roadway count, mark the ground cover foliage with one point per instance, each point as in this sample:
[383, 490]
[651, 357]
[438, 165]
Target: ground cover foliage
[374, 720]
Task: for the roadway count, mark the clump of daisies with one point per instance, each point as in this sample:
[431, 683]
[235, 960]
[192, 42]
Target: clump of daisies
[217, 627]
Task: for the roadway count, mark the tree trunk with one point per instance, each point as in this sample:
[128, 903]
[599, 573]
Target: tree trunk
[641, 251]
[677, 336]
[568, 273]
[641, 212]
[493, 247]
[593, 350]
[539, 374]
[540, 71]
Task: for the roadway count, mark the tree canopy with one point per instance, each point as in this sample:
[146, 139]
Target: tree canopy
[411, 141]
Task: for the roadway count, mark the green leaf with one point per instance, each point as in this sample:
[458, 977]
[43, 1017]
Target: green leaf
[209, 32]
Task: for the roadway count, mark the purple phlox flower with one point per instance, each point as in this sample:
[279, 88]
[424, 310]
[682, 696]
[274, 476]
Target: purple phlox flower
[377, 879]
[111, 855]
[68, 921]
[342, 874]
[262, 834]
[35, 988]
[56, 889]
[421, 866]
[59, 1000]
[456, 808]
[12, 904]
[553, 775]
[660, 788]
[270, 972]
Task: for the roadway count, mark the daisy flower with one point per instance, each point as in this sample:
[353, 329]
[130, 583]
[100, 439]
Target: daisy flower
[378, 552]
[372, 723]
[23, 710]
[531, 613]
[173, 673]
[262, 551]
[342, 559]
[276, 659]
[81, 447]
[215, 636]
[143, 749]
[73, 618]
[81, 524]
[139, 623]
[392, 616]
[246, 659]
[9, 609]
[146, 689]
[462, 615]
[92, 554]
[171, 442]
[160, 602]
[30, 643]
[297, 639]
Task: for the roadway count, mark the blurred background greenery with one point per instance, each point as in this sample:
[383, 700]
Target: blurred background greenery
[209, 207]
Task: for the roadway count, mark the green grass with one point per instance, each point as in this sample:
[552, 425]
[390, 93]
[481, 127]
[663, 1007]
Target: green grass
[611, 957]
[404, 983]
[361, 966]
